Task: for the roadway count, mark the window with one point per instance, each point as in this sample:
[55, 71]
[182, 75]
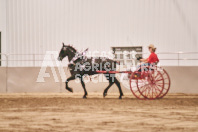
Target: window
[126, 54]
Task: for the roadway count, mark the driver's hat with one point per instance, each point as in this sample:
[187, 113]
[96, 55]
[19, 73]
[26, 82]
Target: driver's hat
[152, 46]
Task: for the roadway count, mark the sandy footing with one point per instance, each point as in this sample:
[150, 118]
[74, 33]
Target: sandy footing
[69, 112]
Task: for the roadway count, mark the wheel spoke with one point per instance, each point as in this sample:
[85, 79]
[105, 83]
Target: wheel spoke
[159, 80]
[157, 89]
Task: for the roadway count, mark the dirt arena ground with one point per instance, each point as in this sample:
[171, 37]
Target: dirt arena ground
[69, 112]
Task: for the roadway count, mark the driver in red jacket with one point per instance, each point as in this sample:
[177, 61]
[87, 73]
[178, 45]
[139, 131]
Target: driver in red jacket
[152, 59]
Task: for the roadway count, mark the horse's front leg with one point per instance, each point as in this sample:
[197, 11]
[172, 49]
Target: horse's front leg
[67, 81]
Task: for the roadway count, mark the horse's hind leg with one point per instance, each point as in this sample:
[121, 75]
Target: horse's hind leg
[119, 87]
[67, 81]
[83, 85]
[106, 89]
[111, 82]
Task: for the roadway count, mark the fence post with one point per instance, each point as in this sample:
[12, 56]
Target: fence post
[178, 59]
[34, 60]
[6, 72]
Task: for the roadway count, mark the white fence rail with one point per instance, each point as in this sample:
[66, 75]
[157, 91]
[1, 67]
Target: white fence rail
[35, 60]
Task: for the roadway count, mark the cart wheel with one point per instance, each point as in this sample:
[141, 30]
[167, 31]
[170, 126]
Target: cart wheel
[133, 85]
[167, 82]
[152, 84]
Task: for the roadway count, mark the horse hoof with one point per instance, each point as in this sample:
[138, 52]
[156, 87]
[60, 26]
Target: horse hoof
[104, 94]
[84, 97]
[120, 97]
[70, 89]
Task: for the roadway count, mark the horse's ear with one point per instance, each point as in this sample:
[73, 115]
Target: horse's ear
[63, 44]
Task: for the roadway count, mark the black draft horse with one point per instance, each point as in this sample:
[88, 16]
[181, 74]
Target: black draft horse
[88, 66]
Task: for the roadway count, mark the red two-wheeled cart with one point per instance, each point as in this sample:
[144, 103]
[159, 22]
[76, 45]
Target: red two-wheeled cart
[152, 83]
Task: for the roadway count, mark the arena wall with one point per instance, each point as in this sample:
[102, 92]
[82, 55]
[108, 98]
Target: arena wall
[3, 81]
[37, 26]
[24, 79]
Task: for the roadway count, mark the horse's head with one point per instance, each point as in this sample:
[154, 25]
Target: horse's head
[63, 52]
[66, 50]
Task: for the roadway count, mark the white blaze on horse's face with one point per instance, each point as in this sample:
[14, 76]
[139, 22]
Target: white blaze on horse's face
[62, 53]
